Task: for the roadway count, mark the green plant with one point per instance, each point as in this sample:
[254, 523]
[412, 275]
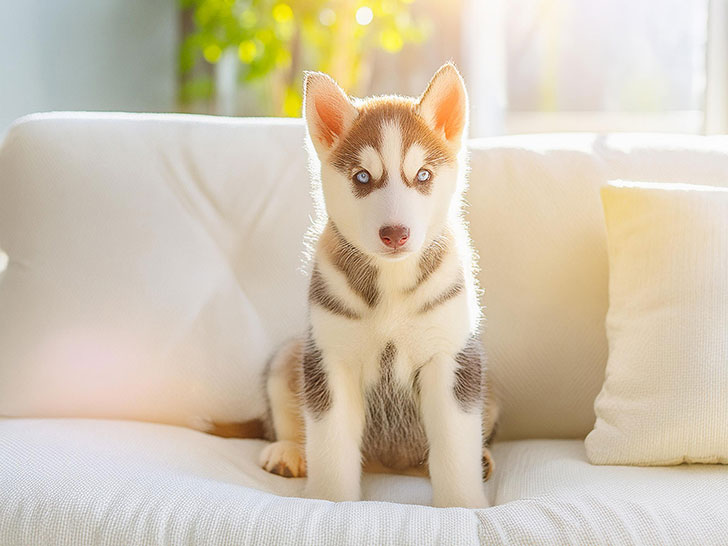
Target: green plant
[275, 40]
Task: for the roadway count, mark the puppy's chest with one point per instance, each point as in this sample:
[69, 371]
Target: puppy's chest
[393, 433]
[398, 339]
[417, 335]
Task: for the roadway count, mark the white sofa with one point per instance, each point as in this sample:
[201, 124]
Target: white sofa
[182, 236]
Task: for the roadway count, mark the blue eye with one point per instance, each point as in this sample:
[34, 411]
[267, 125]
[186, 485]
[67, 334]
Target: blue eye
[423, 175]
[362, 177]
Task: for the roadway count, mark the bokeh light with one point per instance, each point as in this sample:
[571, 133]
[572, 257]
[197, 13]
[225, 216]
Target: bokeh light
[282, 13]
[212, 53]
[364, 15]
[247, 50]
[327, 17]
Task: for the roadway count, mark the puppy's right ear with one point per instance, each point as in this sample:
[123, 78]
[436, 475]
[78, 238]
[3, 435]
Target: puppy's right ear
[329, 113]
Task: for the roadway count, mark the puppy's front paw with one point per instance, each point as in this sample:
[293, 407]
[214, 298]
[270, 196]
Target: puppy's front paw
[488, 464]
[285, 458]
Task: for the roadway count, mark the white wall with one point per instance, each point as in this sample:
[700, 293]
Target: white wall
[86, 55]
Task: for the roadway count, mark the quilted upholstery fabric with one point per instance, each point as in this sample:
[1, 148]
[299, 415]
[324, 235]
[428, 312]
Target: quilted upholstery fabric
[155, 263]
[70, 482]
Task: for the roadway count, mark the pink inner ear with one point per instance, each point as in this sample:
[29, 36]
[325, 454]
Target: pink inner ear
[330, 120]
[450, 113]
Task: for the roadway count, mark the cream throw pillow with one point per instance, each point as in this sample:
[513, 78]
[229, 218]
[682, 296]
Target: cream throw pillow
[665, 395]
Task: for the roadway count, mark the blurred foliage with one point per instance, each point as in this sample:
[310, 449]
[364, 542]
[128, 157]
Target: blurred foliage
[274, 41]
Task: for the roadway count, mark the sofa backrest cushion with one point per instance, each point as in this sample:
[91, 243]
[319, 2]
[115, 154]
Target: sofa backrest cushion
[155, 261]
[537, 221]
[154, 264]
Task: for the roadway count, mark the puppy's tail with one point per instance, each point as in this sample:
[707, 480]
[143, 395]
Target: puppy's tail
[255, 428]
[283, 367]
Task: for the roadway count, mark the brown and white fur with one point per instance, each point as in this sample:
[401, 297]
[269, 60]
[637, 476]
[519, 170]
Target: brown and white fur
[391, 371]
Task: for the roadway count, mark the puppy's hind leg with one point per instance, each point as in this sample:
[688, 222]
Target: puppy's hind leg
[491, 413]
[286, 455]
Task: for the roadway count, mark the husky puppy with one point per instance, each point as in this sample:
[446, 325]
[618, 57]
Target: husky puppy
[391, 371]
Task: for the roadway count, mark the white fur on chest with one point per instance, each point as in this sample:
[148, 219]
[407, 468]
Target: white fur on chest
[400, 317]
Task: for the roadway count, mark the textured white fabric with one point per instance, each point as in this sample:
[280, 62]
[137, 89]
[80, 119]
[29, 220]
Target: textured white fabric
[548, 493]
[108, 482]
[94, 482]
[665, 397]
[154, 263]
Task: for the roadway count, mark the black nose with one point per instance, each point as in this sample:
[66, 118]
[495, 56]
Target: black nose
[394, 236]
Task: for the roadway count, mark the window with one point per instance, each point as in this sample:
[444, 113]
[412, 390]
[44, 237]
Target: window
[606, 65]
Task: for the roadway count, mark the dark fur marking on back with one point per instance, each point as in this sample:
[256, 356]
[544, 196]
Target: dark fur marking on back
[469, 374]
[315, 383]
[319, 294]
[361, 275]
[393, 433]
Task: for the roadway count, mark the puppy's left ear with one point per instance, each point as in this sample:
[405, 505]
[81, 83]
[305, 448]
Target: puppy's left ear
[328, 112]
[444, 104]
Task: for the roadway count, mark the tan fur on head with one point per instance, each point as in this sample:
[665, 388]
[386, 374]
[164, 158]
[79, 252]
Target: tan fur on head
[392, 139]
[330, 113]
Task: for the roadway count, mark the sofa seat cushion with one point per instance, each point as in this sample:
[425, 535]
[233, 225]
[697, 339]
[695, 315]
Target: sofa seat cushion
[548, 493]
[71, 481]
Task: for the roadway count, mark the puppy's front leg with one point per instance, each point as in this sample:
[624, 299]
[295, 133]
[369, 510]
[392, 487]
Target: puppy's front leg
[334, 424]
[454, 432]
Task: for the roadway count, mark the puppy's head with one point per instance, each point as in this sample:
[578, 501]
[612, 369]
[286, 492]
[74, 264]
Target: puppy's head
[389, 165]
